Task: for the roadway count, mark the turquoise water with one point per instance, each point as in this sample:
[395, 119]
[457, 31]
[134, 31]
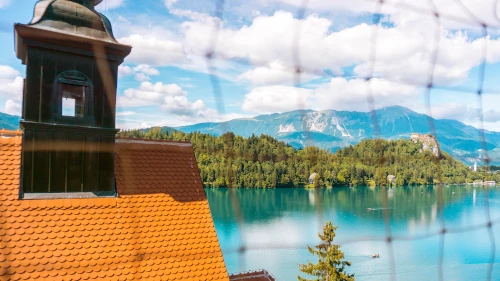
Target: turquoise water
[277, 224]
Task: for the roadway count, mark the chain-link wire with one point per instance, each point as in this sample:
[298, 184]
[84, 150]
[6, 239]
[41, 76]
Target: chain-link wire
[479, 93]
[430, 86]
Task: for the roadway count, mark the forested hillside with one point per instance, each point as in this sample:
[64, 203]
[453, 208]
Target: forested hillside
[332, 129]
[234, 161]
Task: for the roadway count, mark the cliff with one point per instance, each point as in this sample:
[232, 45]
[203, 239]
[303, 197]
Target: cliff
[429, 142]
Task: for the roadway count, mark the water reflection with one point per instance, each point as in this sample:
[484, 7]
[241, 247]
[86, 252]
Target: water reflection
[279, 223]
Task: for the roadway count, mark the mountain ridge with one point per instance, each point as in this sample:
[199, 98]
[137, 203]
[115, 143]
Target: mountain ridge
[9, 122]
[460, 140]
[331, 129]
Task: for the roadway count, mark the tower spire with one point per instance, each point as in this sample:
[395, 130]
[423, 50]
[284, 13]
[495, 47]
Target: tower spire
[88, 3]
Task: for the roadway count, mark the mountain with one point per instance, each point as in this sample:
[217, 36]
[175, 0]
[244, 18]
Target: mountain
[9, 122]
[331, 129]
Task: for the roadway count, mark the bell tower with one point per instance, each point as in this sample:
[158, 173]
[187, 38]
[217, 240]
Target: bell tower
[69, 99]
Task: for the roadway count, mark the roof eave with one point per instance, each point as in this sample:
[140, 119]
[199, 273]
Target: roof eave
[29, 35]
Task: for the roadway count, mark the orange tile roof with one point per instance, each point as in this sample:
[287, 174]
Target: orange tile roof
[260, 275]
[158, 228]
[4, 132]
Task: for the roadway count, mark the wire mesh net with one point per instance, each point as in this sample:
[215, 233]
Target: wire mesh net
[436, 17]
[372, 72]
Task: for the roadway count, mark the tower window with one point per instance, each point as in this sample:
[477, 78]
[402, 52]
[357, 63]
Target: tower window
[72, 97]
[73, 100]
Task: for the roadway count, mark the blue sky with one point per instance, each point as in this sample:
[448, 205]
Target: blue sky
[166, 81]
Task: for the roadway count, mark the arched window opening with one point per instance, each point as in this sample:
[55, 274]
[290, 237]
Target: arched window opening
[74, 94]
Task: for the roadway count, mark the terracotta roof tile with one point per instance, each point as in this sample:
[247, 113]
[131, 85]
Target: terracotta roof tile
[160, 226]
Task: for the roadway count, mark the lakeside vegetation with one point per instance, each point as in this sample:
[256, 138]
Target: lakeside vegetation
[264, 162]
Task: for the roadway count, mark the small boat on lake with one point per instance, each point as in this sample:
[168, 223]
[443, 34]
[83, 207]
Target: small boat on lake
[375, 256]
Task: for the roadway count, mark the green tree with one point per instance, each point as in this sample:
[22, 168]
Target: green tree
[331, 264]
[262, 161]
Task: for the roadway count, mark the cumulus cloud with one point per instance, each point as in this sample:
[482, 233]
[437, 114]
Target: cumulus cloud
[11, 89]
[124, 70]
[339, 93]
[409, 11]
[144, 71]
[169, 97]
[150, 94]
[270, 99]
[404, 49]
[352, 5]
[464, 112]
[403, 53]
[274, 73]
[154, 50]
[141, 72]
[344, 94]
[185, 12]
[12, 107]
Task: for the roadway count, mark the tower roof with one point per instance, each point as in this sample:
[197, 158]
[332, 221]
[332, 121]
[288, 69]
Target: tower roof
[77, 17]
[70, 24]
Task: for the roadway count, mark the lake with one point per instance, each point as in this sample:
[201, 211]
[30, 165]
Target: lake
[277, 224]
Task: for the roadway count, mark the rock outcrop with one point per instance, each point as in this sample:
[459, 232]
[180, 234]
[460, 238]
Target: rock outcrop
[429, 142]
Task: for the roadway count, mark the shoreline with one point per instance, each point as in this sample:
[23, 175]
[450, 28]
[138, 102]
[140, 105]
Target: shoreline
[361, 186]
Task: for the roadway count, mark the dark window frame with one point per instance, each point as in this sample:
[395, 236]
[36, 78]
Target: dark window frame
[73, 78]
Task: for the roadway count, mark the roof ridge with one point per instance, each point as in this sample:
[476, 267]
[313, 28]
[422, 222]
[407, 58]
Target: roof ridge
[126, 139]
[5, 132]
[256, 273]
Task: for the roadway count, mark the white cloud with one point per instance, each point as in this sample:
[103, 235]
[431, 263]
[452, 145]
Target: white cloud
[339, 94]
[146, 69]
[109, 5]
[154, 50]
[141, 72]
[274, 73]
[344, 94]
[411, 12]
[404, 50]
[12, 107]
[169, 97]
[464, 112]
[351, 5]
[403, 53]
[126, 113]
[7, 72]
[271, 99]
[11, 89]
[185, 13]
[166, 119]
[150, 94]
[457, 55]
[4, 3]
[124, 70]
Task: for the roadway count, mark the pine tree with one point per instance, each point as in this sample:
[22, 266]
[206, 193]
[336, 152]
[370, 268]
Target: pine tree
[330, 266]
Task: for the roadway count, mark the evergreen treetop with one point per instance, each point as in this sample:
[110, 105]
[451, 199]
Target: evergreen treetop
[331, 264]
